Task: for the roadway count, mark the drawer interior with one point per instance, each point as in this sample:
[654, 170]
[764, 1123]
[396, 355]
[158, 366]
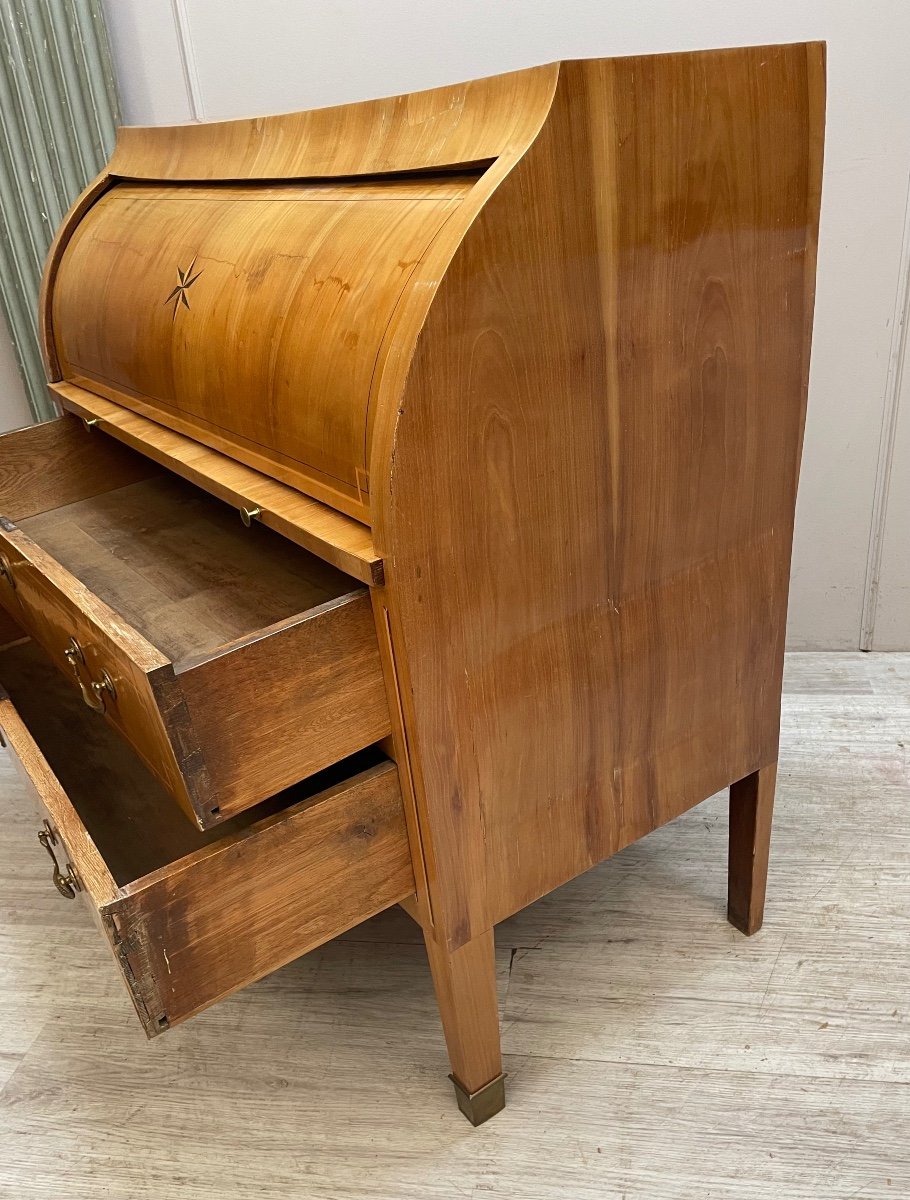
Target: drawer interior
[180, 566]
[131, 818]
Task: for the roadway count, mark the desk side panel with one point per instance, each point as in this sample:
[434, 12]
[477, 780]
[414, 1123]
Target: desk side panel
[593, 485]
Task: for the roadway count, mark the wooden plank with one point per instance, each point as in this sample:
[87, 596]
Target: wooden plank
[179, 566]
[288, 701]
[338, 539]
[59, 462]
[212, 923]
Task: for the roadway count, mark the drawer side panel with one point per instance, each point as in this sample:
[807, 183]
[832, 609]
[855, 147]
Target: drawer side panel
[315, 694]
[197, 931]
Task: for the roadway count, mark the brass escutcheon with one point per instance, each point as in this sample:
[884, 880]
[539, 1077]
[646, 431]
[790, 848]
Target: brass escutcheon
[97, 692]
[67, 885]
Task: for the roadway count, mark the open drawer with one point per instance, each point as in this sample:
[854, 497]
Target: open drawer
[192, 916]
[235, 662]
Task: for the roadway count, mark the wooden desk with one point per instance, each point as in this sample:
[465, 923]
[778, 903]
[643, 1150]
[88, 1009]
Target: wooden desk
[507, 381]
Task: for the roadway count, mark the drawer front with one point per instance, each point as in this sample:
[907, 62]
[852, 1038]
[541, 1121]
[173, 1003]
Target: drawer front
[65, 838]
[200, 928]
[118, 674]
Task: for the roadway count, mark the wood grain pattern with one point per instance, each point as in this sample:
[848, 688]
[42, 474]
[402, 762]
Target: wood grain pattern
[330, 535]
[180, 567]
[567, 392]
[81, 205]
[237, 910]
[58, 462]
[295, 285]
[54, 607]
[465, 984]
[130, 819]
[459, 124]
[240, 663]
[264, 725]
[218, 912]
[590, 630]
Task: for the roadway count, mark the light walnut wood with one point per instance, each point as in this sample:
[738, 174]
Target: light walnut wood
[317, 271]
[465, 985]
[180, 568]
[240, 664]
[448, 126]
[548, 335]
[58, 462]
[288, 701]
[589, 631]
[751, 809]
[228, 909]
[338, 539]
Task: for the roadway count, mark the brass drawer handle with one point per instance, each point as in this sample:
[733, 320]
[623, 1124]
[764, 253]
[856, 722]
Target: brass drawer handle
[249, 515]
[97, 692]
[68, 884]
[6, 571]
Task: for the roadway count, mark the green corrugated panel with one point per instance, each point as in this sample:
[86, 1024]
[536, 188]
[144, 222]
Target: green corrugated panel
[58, 112]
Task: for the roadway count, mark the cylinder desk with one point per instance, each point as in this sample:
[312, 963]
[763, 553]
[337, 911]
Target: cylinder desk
[416, 526]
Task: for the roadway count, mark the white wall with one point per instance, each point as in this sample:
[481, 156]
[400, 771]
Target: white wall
[185, 59]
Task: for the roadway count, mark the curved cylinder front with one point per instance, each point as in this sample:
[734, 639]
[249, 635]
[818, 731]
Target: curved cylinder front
[251, 317]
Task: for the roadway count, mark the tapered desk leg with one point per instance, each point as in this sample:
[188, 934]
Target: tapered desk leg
[465, 984]
[751, 806]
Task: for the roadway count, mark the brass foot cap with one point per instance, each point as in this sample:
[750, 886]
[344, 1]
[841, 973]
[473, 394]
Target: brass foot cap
[486, 1102]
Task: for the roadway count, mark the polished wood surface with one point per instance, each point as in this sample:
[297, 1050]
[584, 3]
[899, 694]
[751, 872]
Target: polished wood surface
[323, 531]
[458, 124]
[125, 811]
[547, 335]
[465, 984]
[295, 285]
[240, 664]
[254, 901]
[225, 909]
[617, 441]
[55, 608]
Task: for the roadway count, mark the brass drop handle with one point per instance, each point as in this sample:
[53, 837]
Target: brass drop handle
[6, 571]
[96, 694]
[67, 885]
